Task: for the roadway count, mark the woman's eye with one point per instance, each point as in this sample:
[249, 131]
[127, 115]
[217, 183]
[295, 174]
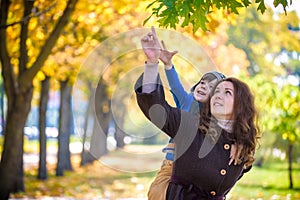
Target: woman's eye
[228, 92]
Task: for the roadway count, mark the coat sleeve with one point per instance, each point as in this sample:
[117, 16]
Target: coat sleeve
[156, 109]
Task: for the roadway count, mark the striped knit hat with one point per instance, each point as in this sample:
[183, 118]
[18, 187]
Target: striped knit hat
[219, 76]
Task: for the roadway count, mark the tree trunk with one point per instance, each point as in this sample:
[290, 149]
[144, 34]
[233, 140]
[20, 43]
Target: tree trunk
[11, 167]
[119, 118]
[2, 109]
[42, 174]
[98, 141]
[19, 104]
[290, 158]
[119, 137]
[101, 123]
[64, 154]
[18, 90]
[119, 121]
[86, 156]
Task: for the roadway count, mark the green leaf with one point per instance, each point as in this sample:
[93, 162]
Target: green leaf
[199, 19]
[184, 10]
[168, 18]
[234, 5]
[146, 20]
[151, 4]
[277, 2]
[262, 7]
[284, 4]
[246, 3]
[198, 3]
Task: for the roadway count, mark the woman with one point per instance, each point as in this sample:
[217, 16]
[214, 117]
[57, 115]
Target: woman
[201, 169]
[191, 102]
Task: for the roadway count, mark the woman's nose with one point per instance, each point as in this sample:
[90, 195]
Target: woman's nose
[218, 96]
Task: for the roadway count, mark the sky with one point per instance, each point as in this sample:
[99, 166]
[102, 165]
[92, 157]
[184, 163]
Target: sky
[295, 6]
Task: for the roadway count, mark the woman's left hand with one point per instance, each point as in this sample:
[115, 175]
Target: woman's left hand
[235, 153]
[151, 46]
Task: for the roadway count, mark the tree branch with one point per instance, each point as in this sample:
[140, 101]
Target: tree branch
[27, 76]
[7, 67]
[29, 16]
[23, 59]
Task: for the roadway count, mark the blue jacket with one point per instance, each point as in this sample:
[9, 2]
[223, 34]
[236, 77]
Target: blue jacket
[183, 100]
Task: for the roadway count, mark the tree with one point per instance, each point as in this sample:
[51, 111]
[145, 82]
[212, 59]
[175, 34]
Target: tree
[280, 115]
[44, 96]
[255, 35]
[100, 22]
[277, 100]
[86, 156]
[196, 13]
[65, 129]
[19, 88]
[288, 113]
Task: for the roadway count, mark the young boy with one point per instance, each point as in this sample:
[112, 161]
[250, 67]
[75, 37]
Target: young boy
[190, 102]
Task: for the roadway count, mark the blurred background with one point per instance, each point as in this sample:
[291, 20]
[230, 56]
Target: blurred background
[70, 126]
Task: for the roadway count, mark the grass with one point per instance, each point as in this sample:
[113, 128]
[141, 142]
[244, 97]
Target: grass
[269, 182]
[95, 181]
[116, 176]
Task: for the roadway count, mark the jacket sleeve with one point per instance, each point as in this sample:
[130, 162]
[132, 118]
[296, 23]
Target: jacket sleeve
[179, 94]
[156, 109]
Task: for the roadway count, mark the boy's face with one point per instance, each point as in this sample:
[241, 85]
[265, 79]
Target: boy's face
[203, 89]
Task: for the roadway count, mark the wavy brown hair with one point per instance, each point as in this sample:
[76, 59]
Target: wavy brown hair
[245, 127]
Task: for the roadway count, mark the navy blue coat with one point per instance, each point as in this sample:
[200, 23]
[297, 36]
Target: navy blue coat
[200, 169]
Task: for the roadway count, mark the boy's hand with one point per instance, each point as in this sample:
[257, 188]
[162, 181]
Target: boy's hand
[151, 47]
[166, 56]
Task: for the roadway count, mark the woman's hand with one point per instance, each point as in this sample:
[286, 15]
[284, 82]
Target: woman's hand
[166, 56]
[235, 153]
[151, 47]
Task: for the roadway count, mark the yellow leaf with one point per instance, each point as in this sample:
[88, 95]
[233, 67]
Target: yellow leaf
[40, 75]
[285, 136]
[33, 24]
[80, 18]
[292, 138]
[40, 35]
[286, 105]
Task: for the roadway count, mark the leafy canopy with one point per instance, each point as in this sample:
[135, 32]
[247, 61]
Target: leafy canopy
[173, 12]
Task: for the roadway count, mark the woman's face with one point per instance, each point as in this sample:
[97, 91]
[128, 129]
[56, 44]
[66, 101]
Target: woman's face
[221, 104]
[203, 89]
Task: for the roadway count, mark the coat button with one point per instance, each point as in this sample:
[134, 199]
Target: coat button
[226, 146]
[213, 193]
[223, 172]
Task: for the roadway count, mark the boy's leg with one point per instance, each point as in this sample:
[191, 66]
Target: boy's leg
[158, 188]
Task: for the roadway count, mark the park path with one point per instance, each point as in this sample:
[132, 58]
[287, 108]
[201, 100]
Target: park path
[135, 160]
[152, 156]
[32, 159]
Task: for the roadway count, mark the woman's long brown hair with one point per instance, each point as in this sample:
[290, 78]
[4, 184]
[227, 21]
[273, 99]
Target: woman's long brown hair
[245, 127]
